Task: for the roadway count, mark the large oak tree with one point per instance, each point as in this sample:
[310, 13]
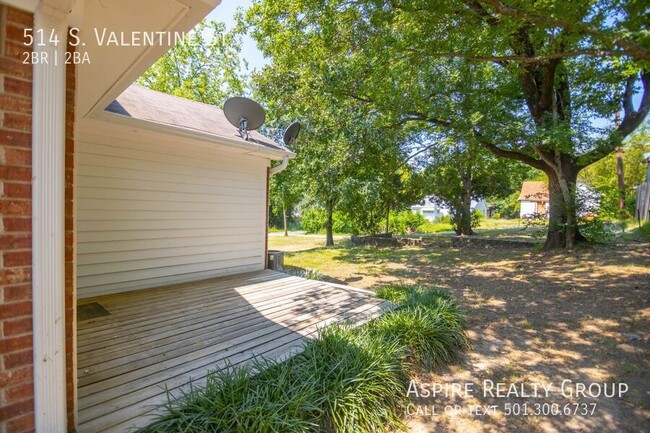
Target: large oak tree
[539, 82]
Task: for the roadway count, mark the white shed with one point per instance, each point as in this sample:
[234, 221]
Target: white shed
[167, 192]
[533, 199]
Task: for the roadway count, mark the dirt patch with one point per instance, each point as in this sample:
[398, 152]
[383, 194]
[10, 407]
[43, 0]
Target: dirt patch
[540, 320]
[534, 318]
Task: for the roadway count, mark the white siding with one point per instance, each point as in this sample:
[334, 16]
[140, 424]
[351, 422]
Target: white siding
[527, 208]
[153, 210]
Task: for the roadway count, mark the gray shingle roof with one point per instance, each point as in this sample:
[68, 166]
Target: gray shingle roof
[149, 105]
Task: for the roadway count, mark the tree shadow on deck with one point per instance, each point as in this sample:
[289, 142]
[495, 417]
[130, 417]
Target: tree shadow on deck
[158, 339]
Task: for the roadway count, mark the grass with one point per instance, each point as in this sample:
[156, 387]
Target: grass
[309, 274]
[349, 380]
[299, 241]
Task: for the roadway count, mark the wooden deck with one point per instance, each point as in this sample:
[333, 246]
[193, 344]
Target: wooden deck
[165, 336]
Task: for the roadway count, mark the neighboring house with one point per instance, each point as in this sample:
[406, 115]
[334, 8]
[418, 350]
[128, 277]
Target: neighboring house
[430, 209]
[643, 194]
[533, 199]
[110, 188]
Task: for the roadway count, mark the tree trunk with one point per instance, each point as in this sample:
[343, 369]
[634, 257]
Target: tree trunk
[284, 220]
[387, 218]
[329, 225]
[464, 216]
[621, 181]
[562, 219]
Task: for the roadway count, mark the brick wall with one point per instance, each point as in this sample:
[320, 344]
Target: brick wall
[16, 367]
[16, 371]
[70, 244]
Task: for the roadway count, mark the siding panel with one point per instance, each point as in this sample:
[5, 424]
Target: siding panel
[151, 213]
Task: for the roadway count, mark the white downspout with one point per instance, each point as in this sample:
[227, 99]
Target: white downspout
[48, 222]
[279, 168]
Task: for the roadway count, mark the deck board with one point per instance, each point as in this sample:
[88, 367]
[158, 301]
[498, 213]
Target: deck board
[167, 336]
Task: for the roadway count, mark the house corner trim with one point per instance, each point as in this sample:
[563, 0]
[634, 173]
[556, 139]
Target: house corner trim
[48, 217]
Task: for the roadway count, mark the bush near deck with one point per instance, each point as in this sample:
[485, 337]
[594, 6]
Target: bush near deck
[346, 380]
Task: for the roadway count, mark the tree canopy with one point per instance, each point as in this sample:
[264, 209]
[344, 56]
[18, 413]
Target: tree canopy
[539, 83]
[204, 67]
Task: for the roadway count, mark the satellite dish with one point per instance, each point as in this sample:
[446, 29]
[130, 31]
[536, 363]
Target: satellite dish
[291, 133]
[244, 114]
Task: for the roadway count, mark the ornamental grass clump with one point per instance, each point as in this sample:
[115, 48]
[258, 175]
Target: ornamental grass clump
[359, 381]
[348, 379]
[264, 398]
[428, 322]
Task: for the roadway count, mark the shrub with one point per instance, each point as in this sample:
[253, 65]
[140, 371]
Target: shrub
[441, 223]
[645, 230]
[595, 230]
[314, 220]
[405, 222]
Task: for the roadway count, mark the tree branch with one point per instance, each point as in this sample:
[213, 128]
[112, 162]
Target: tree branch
[631, 48]
[424, 149]
[524, 59]
[631, 120]
[510, 154]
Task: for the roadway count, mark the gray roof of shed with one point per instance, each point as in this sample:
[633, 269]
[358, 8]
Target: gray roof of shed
[152, 106]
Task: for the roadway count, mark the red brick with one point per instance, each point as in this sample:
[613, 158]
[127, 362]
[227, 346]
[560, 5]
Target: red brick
[18, 87]
[18, 359]
[17, 224]
[15, 241]
[21, 424]
[17, 326]
[16, 33]
[22, 122]
[18, 190]
[17, 258]
[21, 392]
[16, 409]
[12, 276]
[15, 103]
[19, 17]
[15, 309]
[15, 344]
[17, 51]
[16, 293]
[15, 207]
[15, 376]
[18, 156]
[15, 138]
[15, 68]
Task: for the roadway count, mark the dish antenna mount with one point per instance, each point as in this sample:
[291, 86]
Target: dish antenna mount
[291, 133]
[244, 114]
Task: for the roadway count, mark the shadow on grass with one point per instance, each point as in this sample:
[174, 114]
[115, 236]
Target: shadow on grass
[542, 317]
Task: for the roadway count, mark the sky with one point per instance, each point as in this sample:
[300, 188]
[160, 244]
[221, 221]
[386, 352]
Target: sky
[225, 13]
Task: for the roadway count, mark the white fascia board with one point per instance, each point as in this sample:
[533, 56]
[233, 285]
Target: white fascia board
[232, 144]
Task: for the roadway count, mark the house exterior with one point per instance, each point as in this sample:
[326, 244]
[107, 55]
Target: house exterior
[163, 196]
[105, 187]
[430, 209]
[533, 199]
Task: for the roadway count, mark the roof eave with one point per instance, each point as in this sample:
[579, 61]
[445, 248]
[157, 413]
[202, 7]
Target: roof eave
[249, 148]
